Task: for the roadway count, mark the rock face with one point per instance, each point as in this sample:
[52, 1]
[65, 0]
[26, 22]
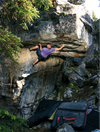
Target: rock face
[97, 28]
[24, 84]
[21, 86]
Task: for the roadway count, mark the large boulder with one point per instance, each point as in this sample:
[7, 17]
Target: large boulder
[21, 86]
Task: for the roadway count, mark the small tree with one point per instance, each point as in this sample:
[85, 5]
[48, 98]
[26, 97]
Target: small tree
[9, 44]
[25, 10]
[94, 16]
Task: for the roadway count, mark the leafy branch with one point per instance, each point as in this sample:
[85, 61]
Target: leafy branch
[25, 10]
[9, 44]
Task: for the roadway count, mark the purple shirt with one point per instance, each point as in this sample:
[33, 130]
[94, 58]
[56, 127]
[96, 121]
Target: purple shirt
[45, 51]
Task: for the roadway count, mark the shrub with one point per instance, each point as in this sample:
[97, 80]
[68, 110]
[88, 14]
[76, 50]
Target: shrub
[10, 123]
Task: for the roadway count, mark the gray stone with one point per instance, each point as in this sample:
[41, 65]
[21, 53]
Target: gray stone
[95, 80]
[97, 26]
[77, 61]
[91, 100]
[48, 125]
[76, 79]
[81, 71]
[77, 76]
[98, 93]
[65, 128]
[92, 56]
[98, 36]
[88, 26]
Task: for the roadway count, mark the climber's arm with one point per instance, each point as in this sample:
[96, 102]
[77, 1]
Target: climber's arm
[57, 49]
[40, 46]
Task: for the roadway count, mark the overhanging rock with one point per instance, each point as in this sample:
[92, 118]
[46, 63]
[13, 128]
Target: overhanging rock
[69, 26]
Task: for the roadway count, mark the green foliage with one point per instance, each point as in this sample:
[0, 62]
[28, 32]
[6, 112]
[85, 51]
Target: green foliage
[43, 4]
[24, 10]
[94, 16]
[9, 44]
[73, 86]
[10, 123]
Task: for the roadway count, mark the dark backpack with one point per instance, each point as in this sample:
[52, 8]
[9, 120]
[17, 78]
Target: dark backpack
[71, 113]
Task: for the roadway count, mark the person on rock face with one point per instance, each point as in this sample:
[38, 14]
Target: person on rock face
[44, 52]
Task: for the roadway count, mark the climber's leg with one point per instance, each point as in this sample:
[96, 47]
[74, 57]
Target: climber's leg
[35, 47]
[35, 62]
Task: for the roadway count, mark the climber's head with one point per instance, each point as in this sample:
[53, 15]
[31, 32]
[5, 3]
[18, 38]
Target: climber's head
[49, 46]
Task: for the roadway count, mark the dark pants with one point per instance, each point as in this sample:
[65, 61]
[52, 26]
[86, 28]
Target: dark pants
[40, 57]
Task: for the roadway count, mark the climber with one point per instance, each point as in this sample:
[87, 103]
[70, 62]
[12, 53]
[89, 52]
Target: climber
[44, 52]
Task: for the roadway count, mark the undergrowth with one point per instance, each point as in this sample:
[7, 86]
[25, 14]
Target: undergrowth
[11, 123]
